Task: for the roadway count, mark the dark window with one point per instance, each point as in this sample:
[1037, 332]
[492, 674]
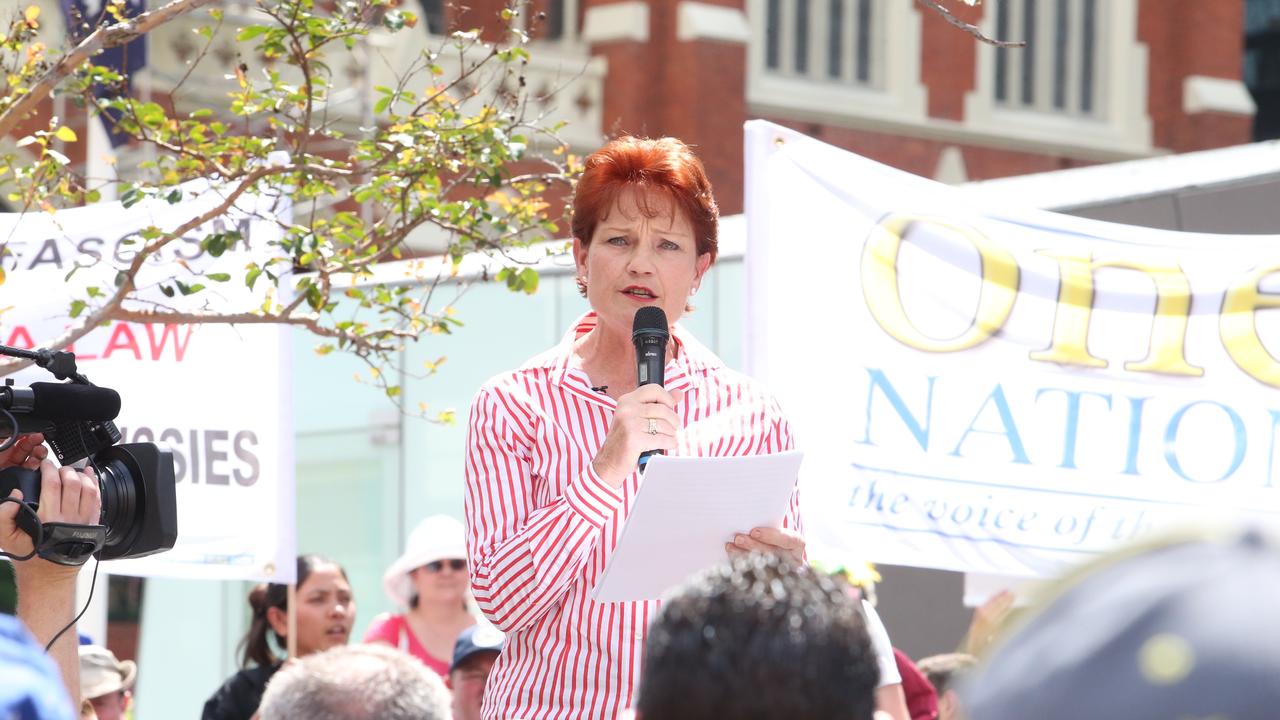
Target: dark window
[863, 67]
[1061, 35]
[1262, 65]
[773, 22]
[1089, 45]
[802, 37]
[555, 20]
[433, 15]
[835, 37]
[1028, 53]
[821, 40]
[1002, 54]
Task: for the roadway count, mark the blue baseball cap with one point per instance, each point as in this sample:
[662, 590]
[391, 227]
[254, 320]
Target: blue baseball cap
[476, 639]
[1184, 629]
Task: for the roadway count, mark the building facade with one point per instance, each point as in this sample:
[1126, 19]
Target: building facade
[892, 80]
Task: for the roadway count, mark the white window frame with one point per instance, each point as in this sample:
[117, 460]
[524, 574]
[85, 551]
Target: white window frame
[894, 95]
[1119, 122]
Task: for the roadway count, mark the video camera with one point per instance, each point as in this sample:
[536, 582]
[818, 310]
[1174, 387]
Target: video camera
[139, 505]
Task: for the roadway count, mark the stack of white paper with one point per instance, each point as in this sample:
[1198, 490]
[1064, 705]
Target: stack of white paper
[686, 510]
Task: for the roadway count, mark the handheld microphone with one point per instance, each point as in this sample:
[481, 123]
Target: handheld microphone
[61, 401]
[649, 334]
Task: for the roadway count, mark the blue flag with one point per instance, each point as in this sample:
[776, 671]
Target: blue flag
[82, 17]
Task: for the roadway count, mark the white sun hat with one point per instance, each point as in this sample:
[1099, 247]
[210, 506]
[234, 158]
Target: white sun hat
[102, 674]
[438, 537]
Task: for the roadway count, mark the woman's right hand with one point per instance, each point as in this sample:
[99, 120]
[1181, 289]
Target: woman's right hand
[629, 432]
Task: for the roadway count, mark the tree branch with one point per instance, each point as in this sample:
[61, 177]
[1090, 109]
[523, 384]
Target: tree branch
[973, 30]
[107, 36]
[112, 309]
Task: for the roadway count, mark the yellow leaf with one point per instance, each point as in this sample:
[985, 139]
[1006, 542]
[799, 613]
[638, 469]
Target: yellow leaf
[31, 13]
[2, 276]
[240, 76]
[66, 134]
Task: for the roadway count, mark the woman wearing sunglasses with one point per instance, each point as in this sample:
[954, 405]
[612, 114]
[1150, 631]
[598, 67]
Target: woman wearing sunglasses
[430, 581]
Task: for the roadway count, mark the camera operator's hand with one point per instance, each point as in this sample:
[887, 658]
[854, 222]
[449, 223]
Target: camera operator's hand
[66, 495]
[47, 591]
[28, 452]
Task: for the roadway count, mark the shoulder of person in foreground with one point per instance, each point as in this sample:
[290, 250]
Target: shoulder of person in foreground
[356, 682]
[238, 696]
[32, 687]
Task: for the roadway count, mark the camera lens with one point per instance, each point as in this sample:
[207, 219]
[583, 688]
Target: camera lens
[119, 487]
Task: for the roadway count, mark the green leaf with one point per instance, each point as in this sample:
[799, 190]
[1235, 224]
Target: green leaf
[77, 307]
[215, 244]
[529, 278]
[131, 197]
[250, 32]
[186, 289]
[251, 277]
[218, 277]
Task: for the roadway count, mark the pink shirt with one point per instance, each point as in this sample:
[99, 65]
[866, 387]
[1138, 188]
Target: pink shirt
[541, 523]
[394, 630]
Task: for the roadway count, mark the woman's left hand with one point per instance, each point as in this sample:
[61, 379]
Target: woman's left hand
[779, 541]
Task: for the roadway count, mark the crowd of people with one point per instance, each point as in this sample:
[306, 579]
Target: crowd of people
[496, 617]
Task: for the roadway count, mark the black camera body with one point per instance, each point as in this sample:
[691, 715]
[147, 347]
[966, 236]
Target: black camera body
[136, 480]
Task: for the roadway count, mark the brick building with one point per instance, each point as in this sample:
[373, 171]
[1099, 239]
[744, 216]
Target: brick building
[890, 79]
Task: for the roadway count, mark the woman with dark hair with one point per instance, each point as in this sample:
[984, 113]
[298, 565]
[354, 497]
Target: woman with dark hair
[552, 446]
[325, 613]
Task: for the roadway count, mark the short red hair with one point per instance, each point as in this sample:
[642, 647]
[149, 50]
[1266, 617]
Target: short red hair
[665, 165]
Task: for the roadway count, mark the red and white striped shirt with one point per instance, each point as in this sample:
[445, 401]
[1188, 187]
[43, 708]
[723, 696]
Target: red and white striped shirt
[541, 523]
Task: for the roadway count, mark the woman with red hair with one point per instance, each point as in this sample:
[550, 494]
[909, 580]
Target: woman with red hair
[552, 446]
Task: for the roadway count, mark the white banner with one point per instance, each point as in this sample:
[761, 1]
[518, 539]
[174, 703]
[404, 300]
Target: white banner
[1004, 390]
[218, 395]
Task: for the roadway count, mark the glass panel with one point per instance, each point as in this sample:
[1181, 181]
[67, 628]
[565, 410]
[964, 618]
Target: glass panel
[433, 13]
[1002, 54]
[1061, 32]
[1088, 47]
[1262, 65]
[555, 20]
[772, 25]
[835, 37]
[864, 41]
[802, 37]
[1029, 52]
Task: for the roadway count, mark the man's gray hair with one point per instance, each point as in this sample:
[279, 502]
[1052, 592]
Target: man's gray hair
[356, 682]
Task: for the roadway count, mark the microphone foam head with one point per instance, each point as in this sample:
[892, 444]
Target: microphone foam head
[72, 401]
[650, 321]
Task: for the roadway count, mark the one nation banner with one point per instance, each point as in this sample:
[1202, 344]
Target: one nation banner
[986, 388]
[217, 395]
